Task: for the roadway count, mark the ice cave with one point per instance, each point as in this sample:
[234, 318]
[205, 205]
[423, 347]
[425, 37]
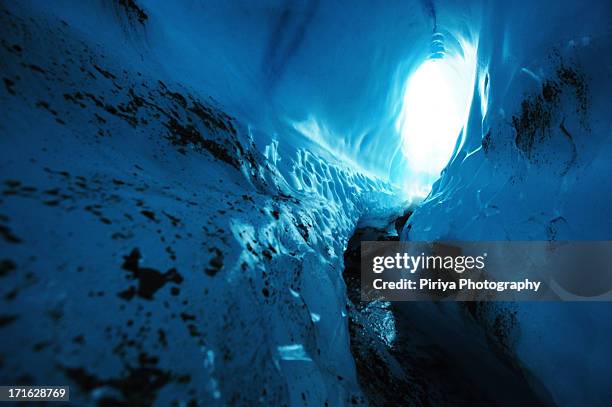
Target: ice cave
[185, 186]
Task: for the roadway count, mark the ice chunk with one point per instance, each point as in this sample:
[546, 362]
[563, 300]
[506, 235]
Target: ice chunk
[293, 352]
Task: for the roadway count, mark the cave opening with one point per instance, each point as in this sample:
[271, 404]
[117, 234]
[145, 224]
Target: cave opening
[435, 106]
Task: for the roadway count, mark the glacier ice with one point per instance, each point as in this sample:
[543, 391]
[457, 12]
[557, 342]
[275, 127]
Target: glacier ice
[180, 181]
[536, 142]
[293, 352]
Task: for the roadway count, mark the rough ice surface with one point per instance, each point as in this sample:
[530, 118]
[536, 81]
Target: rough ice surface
[535, 165]
[179, 181]
[152, 234]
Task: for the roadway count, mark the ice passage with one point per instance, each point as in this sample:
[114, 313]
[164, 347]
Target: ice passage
[184, 187]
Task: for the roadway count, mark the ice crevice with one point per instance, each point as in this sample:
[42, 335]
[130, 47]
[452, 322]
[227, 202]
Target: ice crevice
[196, 197]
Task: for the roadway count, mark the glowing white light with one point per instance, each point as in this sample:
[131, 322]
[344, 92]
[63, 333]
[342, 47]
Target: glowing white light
[436, 105]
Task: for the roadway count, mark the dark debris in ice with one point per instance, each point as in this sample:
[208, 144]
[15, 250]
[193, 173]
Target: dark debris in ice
[543, 116]
[149, 280]
[133, 10]
[138, 386]
[216, 262]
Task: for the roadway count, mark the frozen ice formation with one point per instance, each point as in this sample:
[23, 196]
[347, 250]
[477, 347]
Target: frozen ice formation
[158, 245]
[534, 165]
[179, 181]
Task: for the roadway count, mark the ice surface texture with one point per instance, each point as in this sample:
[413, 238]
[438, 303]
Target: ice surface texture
[179, 181]
[535, 165]
[155, 248]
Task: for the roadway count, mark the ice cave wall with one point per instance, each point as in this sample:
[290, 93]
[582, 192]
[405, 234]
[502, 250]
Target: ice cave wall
[155, 235]
[163, 246]
[535, 165]
[323, 74]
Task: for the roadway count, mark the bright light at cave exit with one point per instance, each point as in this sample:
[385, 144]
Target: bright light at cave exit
[436, 105]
